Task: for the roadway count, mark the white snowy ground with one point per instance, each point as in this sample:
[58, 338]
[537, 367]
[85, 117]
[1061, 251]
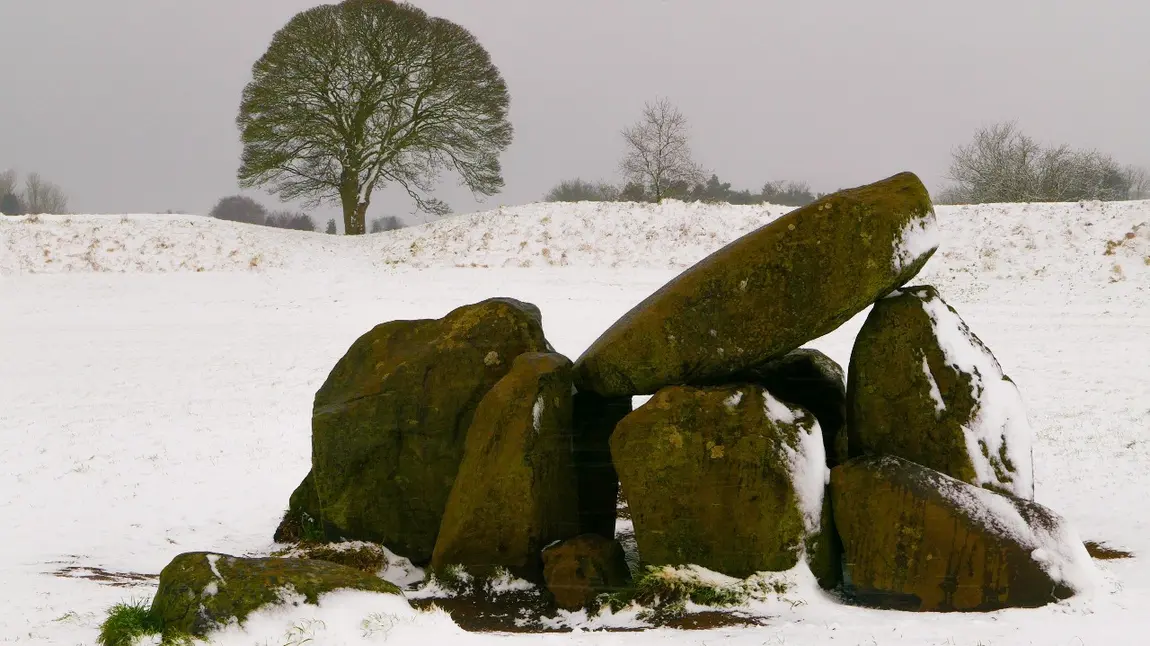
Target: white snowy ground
[147, 408]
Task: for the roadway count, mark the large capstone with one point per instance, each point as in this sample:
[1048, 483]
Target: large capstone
[390, 423]
[516, 491]
[765, 294]
[923, 387]
[915, 539]
[200, 591]
[728, 478]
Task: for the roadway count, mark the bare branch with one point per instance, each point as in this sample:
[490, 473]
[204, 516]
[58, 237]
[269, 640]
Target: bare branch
[658, 150]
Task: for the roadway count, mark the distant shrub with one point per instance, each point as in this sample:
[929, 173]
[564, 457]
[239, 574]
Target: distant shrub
[386, 223]
[578, 190]
[290, 220]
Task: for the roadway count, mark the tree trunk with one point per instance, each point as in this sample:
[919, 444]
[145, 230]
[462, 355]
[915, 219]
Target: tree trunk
[353, 212]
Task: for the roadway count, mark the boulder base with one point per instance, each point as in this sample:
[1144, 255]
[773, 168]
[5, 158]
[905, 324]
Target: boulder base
[200, 591]
[580, 569]
[915, 539]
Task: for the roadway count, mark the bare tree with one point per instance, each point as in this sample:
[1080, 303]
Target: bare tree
[1002, 164]
[658, 151]
[42, 196]
[8, 183]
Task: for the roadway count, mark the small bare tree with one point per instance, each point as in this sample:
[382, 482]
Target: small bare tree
[659, 152]
[8, 183]
[42, 196]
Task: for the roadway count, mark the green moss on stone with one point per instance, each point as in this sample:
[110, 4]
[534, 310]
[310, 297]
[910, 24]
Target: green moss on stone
[516, 490]
[709, 482]
[390, 423]
[199, 591]
[763, 295]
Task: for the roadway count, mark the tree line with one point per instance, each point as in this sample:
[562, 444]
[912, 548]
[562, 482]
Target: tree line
[1000, 164]
[241, 208]
[38, 196]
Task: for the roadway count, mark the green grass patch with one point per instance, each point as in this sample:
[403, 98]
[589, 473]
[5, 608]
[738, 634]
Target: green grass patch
[126, 622]
[129, 621]
[663, 593]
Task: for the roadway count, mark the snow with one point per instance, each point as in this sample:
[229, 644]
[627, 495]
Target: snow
[935, 394]
[1057, 549]
[148, 409]
[734, 400]
[777, 411]
[919, 237]
[505, 583]
[213, 560]
[537, 413]
[999, 426]
[807, 461]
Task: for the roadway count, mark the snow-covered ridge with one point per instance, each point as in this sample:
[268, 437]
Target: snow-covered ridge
[992, 241]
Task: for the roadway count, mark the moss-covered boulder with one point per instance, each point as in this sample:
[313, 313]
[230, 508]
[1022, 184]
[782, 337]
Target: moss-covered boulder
[728, 478]
[923, 387]
[301, 521]
[389, 424]
[765, 294]
[516, 490]
[201, 591]
[811, 380]
[916, 539]
[580, 569]
[595, 420]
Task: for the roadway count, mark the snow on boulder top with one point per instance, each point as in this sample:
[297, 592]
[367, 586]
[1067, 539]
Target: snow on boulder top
[1067, 241]
[999, 427]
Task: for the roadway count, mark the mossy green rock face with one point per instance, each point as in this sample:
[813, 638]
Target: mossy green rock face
[580, 569]
[728, 478]
[915, 539]
[516, 488]
[765, 294]
[200, 591]
[390, 422]
[811, 380]
[923, 387]
[595, 420]
[302, 518]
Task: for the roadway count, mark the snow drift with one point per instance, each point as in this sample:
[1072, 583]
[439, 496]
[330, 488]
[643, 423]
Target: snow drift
[1096, 242]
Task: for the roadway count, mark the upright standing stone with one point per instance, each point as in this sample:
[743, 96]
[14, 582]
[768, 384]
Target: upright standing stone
[923, 387]
[727, 478]
[516, 491]
[390, 422]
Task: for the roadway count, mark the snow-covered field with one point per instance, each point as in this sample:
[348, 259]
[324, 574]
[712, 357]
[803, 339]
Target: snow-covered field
[157, 374]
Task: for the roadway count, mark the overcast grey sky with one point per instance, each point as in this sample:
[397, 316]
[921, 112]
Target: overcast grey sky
[130, 104]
